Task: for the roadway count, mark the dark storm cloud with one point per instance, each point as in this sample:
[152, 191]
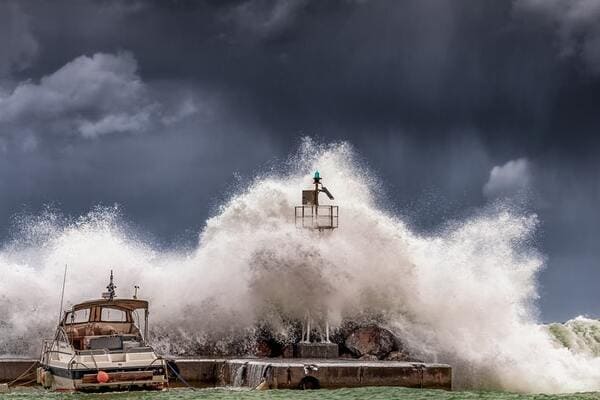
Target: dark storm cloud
[264, 19]
[18, 47]
[576, 26]
[322, 66]
[156, 104]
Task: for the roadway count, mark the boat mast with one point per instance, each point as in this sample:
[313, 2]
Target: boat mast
[62, 295]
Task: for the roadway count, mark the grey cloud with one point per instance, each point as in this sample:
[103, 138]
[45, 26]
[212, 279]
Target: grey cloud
[577, 26]
[509, 179]
[89, 96]
[18, 46]
[265, 17]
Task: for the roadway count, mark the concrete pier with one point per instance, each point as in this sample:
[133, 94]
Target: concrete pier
[12, 368]
[290, 373]
[293, 373]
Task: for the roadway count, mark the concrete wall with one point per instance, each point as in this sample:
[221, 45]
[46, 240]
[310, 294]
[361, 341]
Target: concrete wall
[200, 371]
[10, 369]
[288, 373]
[355, 375]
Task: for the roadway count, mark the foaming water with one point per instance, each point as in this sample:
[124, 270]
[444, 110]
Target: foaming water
[464, 295]
[580, 335]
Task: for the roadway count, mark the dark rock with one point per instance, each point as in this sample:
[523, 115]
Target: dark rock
[288, 351]
[263, 349]
[371, 340]
[266, 344]
[268, 348]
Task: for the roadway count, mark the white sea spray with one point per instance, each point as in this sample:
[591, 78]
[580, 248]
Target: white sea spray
[464, 295]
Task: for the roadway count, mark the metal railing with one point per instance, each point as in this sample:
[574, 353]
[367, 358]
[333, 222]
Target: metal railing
[316, 217]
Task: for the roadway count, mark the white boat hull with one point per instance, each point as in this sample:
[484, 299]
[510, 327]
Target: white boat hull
[63, 369]
[54, 381]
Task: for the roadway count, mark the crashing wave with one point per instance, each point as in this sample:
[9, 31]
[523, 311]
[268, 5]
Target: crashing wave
[464, 295]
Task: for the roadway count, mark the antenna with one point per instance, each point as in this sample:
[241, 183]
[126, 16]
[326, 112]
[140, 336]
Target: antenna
[62, 295]
[111, 289]
[324, 190]
[136, 287]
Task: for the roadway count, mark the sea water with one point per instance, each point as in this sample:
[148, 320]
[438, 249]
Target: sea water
[370, 393]
[463, 295]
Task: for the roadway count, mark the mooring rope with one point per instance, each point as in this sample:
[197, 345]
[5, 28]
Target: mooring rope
[24, 374]
[179, 376]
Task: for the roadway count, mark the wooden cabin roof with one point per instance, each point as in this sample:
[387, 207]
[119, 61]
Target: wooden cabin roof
[126, 304]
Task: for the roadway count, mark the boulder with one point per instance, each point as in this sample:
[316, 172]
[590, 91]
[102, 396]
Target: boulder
[370, 340]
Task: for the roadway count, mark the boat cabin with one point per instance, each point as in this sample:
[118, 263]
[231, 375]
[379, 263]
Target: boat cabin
[111, 324]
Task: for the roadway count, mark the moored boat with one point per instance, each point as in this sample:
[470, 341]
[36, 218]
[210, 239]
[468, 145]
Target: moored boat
[102, 345]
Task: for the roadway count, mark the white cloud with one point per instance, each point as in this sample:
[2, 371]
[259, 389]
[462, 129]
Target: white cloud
[577, 25]
[510, 179]
[89, 96]
[116, 123]
[18, 46]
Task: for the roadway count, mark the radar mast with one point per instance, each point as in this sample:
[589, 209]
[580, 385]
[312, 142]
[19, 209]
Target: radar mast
[111, 289]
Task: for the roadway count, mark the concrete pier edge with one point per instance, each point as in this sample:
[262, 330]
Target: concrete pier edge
[289, 373]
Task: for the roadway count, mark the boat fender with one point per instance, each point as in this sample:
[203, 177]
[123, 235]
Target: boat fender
[39, 373]
[102, 377]
[46, 379]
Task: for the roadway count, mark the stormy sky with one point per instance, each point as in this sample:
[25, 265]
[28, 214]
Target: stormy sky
[161, 106]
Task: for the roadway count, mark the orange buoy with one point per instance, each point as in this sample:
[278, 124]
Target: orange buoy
[102, 377]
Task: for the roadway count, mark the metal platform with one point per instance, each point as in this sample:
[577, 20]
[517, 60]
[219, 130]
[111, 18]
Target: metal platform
[317, 217]
[316, 350]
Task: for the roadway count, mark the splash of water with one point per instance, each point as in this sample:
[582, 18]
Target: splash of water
[580, 335]
[464, 296]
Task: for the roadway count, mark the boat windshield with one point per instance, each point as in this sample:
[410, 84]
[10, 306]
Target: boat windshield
[103, 327]
[113, 315]
[139, 320]
[78, 316]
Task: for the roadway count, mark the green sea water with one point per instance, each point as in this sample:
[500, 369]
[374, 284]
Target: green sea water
[371, 393]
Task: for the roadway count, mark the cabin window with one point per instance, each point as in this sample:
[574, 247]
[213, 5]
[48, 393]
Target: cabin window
[113, 315]
[78, 316]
